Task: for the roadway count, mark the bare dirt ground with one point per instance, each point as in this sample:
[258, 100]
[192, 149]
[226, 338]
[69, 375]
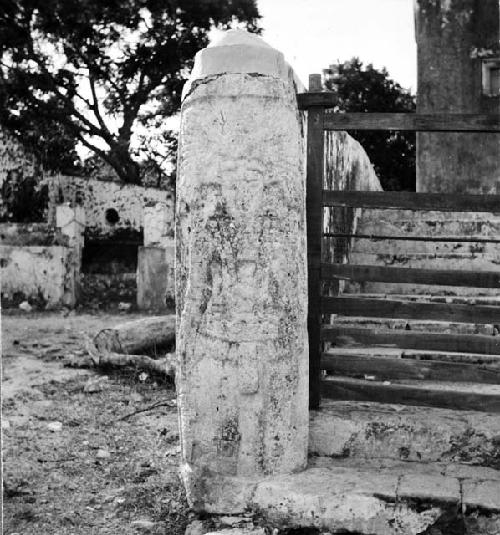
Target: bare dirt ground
[76, 460]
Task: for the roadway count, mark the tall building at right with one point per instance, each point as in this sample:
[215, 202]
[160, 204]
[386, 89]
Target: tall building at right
[458, 58]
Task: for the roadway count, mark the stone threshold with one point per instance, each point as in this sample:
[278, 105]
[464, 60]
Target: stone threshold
[370, 430]
[372, 498]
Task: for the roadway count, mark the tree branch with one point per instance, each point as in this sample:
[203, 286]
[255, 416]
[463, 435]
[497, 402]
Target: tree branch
[95, 104]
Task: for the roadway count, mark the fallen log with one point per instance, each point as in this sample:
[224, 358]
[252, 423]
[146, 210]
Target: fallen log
[163, 366]
[147, 335]
[103, 358]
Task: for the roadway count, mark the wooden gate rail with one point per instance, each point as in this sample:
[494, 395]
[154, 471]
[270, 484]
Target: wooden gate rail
[441, 277]
[410, 394]
[412, 122]
[412, 237]
[481, 353]
[392, 308]
[423, 370]
[409, 200]
[480, 344]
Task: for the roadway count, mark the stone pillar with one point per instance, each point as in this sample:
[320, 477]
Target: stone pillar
[156, 259]
[452, 35]
[241, 273]
[70, 221]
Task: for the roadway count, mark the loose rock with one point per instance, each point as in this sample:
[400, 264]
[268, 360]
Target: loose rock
[233, 521]
[103, 454]
[143, 524]
[195, 528]
[25, 306]
[54, 426]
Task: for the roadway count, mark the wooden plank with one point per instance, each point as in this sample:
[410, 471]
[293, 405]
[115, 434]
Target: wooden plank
[346, 389]
[384, 368]
[314, 210]
[387, 308]
[326, 99]
[442, 277]
[409, 200]
[413, 122]
[412, 237]
[461, 343]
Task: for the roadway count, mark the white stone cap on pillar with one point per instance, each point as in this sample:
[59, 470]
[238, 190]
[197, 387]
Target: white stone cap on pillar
[236, 52]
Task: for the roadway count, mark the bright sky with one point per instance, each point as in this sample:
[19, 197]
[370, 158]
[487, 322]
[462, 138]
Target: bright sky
[314, 33]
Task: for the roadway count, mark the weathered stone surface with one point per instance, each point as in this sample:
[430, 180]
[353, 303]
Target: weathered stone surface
[195, 527]
[449, 80]
[156, 259]
[239, 531]
[482, 494]
[158, 225]
[155, 277]
[372, 430]
[347, 168]
[466, 256]
[429, 487]
[336, 499]
[237, 52]
[41, 274]
[241, 293]
[98, 196]
[482, 524]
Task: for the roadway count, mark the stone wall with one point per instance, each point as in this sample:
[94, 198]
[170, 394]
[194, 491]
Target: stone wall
[347, 168]
[40, 263]
[451, 38]
[110, 207]
[38, 274]
[422, 254]
[156, 260]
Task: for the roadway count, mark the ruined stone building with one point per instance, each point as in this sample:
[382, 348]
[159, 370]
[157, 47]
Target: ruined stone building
[111, 214]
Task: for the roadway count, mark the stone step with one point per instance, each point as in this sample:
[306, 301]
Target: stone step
[368, 430]
[381, 497]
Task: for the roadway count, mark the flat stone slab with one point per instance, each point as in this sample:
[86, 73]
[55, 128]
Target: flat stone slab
[408, 433]
[385, 498]
[365, 496]
[481, 494]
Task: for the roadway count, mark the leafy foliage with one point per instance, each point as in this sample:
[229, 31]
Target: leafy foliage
[366, 89]
[91, 71]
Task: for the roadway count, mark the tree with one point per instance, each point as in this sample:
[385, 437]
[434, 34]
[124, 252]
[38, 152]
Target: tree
[366, 89]
[99, 68]
[54, 147]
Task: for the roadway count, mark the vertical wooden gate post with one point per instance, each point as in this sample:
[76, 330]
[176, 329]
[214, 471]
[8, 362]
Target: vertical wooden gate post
[314, 209]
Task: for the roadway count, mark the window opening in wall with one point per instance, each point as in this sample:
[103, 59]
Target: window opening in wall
[491, 77]
[112, 216]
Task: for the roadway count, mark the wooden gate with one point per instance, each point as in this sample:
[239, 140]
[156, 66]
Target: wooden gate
[346, 369]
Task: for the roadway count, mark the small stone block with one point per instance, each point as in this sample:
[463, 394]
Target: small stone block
[429, 487]
[483, 494]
